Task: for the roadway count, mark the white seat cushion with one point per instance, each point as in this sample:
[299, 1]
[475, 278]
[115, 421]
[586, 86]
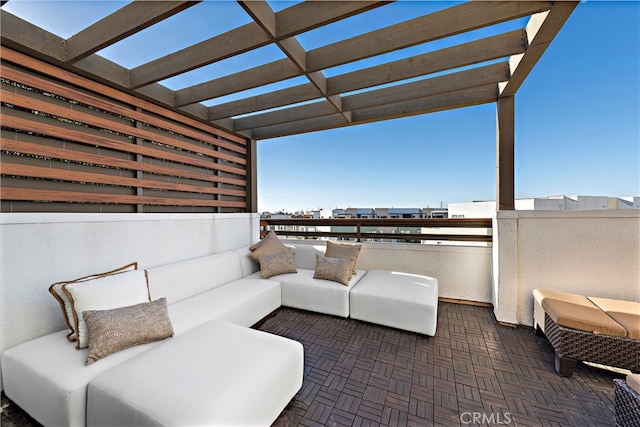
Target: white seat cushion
[217, 374]
[399, 300]
[48, 378]
[301, 290]
[243, 302]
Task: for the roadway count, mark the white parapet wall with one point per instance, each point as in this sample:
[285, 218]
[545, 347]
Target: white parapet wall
[588, 252]
[39, 249]
[463, 272]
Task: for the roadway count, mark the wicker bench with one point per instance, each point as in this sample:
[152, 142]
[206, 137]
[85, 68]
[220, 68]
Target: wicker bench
[627, 401]
[598, 330]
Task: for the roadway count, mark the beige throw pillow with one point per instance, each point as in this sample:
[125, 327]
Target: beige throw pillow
[269, 245]
[334, 269]
[117, 329]
[65, 304]
[272, 265]
[344, 250]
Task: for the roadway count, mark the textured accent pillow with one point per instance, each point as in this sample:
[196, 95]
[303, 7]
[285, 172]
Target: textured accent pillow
[344, 250]
[269, 245]
[102, 293]
[117, 329]
[334, 269]
[65, 304]
[272, 265]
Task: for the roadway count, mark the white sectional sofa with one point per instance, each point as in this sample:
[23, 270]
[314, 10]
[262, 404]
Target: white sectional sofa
[209, 299]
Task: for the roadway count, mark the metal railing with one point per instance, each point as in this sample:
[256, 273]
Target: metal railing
[381, 229]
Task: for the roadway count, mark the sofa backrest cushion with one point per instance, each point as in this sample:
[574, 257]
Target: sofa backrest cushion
[248, 265]
[305, 256]
[184, 279]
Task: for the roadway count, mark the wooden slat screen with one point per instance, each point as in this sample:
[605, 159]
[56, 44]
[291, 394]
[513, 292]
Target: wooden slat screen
[70, 144]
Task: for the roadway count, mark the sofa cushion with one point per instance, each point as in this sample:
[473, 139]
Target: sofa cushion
[633, 381]
[243, 301]
[541, 294]
[272, 265]
[269, 245]
[582, 317]
[111, 331]
[65, 305]
[399, 300]
[238, 376]
[301, 290]
[348, 251]
[48, 378]
[247, 264]
[101, 293]
[626, 313]
[334, 269]
[184, 279]
[305, 256]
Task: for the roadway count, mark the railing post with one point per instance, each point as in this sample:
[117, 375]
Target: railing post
[359, 231]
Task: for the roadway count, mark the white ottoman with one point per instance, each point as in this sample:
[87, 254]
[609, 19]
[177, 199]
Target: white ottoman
[217, 374]
[399, 300]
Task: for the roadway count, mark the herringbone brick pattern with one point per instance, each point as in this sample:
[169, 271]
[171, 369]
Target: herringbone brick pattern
[472, 372]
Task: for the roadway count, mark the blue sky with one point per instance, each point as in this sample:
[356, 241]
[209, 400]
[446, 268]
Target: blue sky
[577, 114]
[577, 132]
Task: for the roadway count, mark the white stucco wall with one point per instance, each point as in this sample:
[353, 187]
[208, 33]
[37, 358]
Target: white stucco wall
[40, 249]
[593, 253]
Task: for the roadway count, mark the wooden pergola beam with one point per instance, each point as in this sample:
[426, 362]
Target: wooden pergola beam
[239, 40]
[272, 72]
[310, 15]
[316, 109]
[437, 25]
[481, 76]
[20, 34]
[278, 98]
[470, 53]
[541, 30]
[266, 18]
[335, 107]
[462, 55]
[463, 98]
[128, 20]
[234, 42]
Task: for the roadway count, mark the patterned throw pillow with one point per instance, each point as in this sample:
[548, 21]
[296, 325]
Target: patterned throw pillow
[117, 329]
[344, 250]
[272, 265]
[334, 269]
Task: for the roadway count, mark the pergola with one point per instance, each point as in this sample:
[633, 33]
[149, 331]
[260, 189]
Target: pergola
[480, 71]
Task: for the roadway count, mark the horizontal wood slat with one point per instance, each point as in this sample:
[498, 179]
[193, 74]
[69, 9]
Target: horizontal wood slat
[95, 178]
[89, 119]
[7, 193]
[68, 143]
[77, 156]
[106, 142]
[28, 62]
[49, 86]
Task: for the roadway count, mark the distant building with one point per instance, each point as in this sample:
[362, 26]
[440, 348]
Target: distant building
[487, 209]
[390, 213]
